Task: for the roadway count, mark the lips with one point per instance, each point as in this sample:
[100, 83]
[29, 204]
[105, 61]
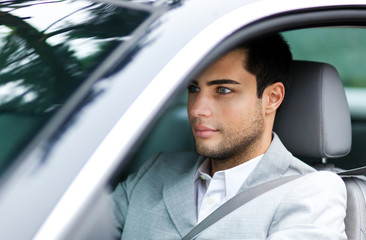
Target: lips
[203, 131]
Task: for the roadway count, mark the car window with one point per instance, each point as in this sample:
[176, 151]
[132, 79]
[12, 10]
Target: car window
[342, 47]
[47, 49]
[312, 44]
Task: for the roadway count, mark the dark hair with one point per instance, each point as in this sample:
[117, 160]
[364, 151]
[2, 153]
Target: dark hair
[269, 59]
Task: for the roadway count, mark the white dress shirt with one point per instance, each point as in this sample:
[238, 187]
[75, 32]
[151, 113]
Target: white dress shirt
[211, 193]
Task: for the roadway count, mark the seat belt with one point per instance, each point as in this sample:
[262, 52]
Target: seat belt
[353, 172]
[246, 196]
[237, 201]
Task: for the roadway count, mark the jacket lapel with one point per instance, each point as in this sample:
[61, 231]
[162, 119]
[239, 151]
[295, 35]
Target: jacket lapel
[179, 198]
[274, 164]
[179, 195]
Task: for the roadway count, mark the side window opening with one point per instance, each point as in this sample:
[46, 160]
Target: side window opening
[172, 131]
[343, 48]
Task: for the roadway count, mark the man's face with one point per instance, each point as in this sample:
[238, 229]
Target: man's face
[224, 111]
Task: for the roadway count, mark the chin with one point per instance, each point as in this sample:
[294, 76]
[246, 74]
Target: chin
[211, 152]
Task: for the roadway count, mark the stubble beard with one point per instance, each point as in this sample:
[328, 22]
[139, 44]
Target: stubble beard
[235, 143]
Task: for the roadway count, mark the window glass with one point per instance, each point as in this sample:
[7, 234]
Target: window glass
[342, 47]
[47, 49]
[345, 49]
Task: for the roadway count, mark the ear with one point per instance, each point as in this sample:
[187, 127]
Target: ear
[273, 96]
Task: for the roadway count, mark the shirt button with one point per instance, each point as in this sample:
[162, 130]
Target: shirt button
[210, 200]
[202, 177]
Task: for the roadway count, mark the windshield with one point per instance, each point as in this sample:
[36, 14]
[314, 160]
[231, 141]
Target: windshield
[47, 49]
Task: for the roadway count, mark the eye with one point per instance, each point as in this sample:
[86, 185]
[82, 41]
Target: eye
[193, 89]
[223, 90]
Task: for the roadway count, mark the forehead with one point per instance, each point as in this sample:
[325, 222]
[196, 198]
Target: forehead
[229, 66]
[230, 61]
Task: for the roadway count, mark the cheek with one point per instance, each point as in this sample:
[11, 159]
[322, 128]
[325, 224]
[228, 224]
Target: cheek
[190, 102]
[233, 113]
[239, 113]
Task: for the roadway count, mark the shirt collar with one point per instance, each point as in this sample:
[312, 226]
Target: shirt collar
[233, 177]
[203, 172]
[236, 176]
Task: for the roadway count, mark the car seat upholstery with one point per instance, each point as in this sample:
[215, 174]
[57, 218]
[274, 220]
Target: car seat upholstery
[314, 121]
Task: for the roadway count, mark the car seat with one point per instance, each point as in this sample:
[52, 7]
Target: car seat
[314, 122]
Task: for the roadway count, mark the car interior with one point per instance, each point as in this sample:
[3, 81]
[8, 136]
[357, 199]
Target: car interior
[314, 123]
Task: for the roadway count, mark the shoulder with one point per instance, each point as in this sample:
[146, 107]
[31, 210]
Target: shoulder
[320, 183]
[316, 190]
[169, 161]
[320, 189]
[318, 201]
[178, 158]
[178, 161]
[156, 171]
[163, 165]
[326, 179]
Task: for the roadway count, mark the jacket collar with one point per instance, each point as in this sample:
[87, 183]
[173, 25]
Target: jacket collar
[274, 164]
[179, 193]
[179, 199]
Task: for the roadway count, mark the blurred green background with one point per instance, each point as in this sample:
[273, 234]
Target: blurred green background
[344, 48]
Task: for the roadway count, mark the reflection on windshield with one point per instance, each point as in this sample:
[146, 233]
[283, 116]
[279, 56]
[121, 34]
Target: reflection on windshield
[47, 49]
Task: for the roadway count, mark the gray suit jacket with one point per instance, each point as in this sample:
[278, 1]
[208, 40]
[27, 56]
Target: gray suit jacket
[159, 201]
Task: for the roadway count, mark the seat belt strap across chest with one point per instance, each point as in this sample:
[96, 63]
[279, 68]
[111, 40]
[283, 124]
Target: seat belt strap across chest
[238, 200]
[246, 196]
[353, 172]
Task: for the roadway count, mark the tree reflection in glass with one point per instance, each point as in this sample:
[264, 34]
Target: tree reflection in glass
[47, 49]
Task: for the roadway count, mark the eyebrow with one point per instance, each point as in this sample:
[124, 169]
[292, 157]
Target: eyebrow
[218, 82]
[221, 81]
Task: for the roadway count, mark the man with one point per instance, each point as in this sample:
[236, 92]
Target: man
[231, 108]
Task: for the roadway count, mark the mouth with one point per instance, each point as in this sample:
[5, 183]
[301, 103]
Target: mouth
[203, 131]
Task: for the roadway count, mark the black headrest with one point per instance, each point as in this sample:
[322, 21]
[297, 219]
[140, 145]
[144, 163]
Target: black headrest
[314, 119]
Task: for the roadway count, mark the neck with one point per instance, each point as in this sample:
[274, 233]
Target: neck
[257, 148]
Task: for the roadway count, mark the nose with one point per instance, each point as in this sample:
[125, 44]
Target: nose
[199, 105]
